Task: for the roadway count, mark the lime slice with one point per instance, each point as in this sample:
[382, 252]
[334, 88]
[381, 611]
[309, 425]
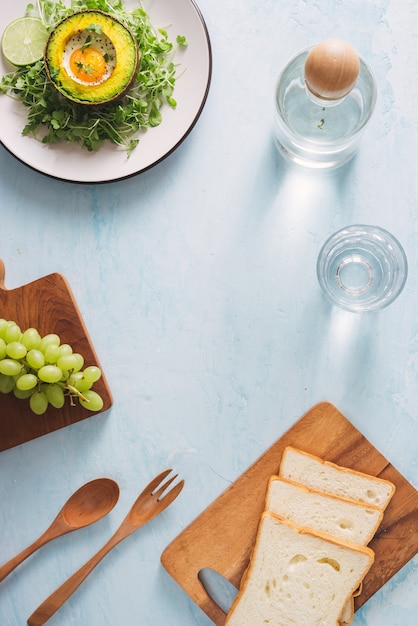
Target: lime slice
[24, 40]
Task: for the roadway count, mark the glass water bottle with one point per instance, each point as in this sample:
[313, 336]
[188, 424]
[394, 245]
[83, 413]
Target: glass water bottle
[324, 98]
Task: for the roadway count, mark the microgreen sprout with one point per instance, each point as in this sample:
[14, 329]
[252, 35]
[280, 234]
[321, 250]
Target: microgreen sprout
[95, 28]
[182, 41]
[86, 44]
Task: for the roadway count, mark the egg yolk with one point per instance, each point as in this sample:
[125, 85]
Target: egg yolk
[88, 65]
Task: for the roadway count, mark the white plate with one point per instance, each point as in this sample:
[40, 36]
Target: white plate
[74, 163]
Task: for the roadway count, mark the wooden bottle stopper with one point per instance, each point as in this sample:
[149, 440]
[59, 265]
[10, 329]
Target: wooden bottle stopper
[331, 69]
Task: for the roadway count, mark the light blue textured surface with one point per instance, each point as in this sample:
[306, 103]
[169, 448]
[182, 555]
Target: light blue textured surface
[196, 281]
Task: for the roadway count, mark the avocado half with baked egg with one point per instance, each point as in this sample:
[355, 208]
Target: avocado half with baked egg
[91, 58]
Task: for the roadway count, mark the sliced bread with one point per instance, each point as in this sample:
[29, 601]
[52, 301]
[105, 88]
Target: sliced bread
[337, 516]
[297, 576]
[315, 473]
[347, 615]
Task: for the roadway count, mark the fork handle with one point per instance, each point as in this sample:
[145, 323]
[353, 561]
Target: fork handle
[62, 593]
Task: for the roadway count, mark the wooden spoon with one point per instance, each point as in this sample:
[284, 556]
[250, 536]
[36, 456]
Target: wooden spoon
[88, 504]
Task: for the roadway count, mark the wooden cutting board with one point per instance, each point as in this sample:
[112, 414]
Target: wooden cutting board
[222, 537]
[48, 305]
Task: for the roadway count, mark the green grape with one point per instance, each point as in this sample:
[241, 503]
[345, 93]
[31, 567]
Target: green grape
[50, 374]
[83, 385]
[3, 326]
[71, 362]
[47, 340]
[35, 359]
[26, 382]
[12, 332]
[23, 370]
[51, 353]
[55, 396]
[92, 373]
[31, 339]
[93, 401]
[6, 383]
[65, 349]
[16, 350]
[74, 378]
[80, 362]
[22, 394]
[2, 349]
[10, 367]
[38, 402]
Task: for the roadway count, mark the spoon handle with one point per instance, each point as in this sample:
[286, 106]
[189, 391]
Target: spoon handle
[62, 593]
[8, 567]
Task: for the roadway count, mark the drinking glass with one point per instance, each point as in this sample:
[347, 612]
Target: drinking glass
[362, 268]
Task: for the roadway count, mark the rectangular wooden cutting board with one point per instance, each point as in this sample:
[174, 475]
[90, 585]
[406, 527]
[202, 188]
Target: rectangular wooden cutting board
[222, 537]
[48, 305]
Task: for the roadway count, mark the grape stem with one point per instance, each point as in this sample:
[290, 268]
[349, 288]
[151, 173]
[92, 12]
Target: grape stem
[75, 392]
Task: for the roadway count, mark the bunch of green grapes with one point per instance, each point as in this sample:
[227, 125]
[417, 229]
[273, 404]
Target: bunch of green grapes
[44, 370]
